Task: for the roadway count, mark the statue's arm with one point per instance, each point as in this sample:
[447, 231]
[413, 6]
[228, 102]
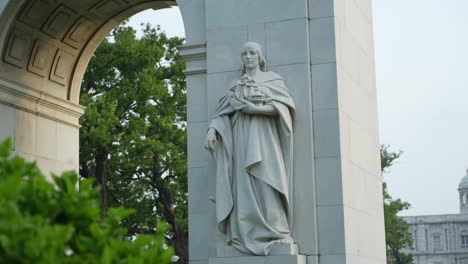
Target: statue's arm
[234, 102]
[267, 109]
[211, 139]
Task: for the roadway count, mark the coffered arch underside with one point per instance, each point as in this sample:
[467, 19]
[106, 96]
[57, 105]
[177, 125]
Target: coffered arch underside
[48, 43]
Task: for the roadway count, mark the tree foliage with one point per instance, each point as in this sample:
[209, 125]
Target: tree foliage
[44, 222]
[133, 135]
[397, 235]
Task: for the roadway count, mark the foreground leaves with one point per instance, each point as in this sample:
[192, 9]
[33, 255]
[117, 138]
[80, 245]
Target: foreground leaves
[43, 222]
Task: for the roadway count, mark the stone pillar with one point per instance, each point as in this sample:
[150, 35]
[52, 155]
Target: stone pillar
[324, 50]
[346, 133]
[43, 128]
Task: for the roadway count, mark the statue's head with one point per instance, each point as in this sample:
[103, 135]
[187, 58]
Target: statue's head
[253, 56]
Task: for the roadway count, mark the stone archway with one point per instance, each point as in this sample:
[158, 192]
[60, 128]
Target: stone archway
[46, 46]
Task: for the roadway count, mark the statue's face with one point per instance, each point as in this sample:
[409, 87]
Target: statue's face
[250, 57]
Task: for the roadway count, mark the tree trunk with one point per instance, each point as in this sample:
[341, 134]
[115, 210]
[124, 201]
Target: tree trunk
[102, 157]
[85, 172]
[396, 255]
[180, 239]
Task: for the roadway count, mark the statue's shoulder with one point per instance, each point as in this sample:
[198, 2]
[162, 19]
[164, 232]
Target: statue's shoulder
[272, 76]
[274, 79]
[233, 84]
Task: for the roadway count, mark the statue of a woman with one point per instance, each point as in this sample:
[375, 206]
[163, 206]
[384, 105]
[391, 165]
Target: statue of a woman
[251, 138]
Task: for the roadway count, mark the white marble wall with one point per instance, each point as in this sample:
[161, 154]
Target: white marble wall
[346, 133]
[43, 128]
[201, 181]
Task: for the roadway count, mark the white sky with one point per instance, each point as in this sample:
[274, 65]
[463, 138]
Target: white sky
[421, 49]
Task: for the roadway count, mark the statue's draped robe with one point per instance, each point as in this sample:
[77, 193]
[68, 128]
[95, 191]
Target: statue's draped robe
[254, 164]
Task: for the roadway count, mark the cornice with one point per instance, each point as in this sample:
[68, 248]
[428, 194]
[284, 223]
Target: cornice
[40, 103]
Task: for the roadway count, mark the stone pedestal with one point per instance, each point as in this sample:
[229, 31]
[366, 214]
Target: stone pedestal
[297, 259]
[276, 250]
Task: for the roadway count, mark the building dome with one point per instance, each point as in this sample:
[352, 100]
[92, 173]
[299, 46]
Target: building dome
[464, 182]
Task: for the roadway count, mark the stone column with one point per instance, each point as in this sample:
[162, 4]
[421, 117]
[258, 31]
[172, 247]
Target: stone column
[346, 133]
[43, 128]
[324, 50]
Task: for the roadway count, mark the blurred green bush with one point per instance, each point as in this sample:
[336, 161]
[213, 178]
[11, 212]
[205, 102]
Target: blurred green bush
[44, 222]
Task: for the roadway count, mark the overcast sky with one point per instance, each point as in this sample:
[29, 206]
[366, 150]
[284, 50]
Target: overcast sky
[421, 49]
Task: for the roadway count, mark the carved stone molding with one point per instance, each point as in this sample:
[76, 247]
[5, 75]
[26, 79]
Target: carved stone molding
[41, 58]
[60, 22]
[108, 7]
[40, 103]
[61, 67]
[33, 12]
[17, 49]
[195, 57]
[79, 33]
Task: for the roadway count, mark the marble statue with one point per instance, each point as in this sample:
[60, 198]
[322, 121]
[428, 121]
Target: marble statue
[251, 137]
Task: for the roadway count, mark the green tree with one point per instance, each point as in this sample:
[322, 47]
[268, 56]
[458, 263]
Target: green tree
[133, 135]
[397, 235]
[43, 222]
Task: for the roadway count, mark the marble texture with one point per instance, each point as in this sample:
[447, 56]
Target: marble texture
[251, 136]
[358, 136]
[53, 145]
[276, 250]
[8, 120]
[264, 260]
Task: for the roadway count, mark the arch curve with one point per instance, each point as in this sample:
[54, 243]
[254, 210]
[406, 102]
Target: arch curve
[48, 43]
[45, 46]
[98, 37]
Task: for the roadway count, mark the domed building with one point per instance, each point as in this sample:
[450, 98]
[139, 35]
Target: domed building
[441, 239]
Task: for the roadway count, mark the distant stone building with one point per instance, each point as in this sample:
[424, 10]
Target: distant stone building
[441, 239]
